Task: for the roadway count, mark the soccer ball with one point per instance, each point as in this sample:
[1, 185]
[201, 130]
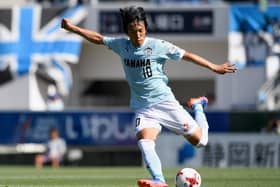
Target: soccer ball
[188, 177]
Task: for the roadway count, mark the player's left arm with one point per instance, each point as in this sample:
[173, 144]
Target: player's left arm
[218, 68]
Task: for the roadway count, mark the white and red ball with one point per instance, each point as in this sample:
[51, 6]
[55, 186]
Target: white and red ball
[188, 177]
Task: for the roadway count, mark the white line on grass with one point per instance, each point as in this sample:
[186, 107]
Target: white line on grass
[51, 185]
[67, 177]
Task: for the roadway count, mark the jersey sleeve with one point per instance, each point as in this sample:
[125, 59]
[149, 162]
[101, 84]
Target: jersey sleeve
[114, 44]
[171, 51]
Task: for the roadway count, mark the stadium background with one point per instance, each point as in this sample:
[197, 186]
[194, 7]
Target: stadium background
[96, 121]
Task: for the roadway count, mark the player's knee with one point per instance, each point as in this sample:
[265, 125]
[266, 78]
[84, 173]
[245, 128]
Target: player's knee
[38, 158]
[148, 134]
[197, 139]
[192, 139]
[198, 142]
[203, 142]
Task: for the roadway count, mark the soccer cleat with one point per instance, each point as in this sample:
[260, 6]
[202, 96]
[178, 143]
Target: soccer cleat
[199, 100]
[151, 183]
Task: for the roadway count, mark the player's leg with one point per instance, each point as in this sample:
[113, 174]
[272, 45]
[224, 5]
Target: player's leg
[199, 137]
[39, 161]
[146, 143]
[147, 132]
[174, 117]
[55, 162]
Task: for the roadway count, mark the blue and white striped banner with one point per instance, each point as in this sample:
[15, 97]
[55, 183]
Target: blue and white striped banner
[31, 38]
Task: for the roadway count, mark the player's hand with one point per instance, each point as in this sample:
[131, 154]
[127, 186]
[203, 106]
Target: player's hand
[224, 68]
[66, 24]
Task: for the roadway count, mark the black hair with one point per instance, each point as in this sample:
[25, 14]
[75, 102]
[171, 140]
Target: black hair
[53, 129]
[132, 13]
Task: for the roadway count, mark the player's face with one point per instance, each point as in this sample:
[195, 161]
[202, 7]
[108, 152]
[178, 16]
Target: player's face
[137, 32]
[54, 135]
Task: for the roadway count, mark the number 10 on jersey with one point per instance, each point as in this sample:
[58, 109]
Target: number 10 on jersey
[147, 72]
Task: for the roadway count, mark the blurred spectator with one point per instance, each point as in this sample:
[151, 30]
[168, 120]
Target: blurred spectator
[56, 149]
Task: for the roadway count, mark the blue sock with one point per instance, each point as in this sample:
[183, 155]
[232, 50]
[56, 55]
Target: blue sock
[200, 118]
[151, 158]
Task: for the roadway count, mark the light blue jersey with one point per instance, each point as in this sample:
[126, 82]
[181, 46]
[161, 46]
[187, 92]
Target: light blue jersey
[144, 69]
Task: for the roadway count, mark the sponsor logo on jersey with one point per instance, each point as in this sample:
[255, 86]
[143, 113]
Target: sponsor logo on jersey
[137, 63]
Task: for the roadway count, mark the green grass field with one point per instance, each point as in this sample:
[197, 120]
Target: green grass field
[127, 176]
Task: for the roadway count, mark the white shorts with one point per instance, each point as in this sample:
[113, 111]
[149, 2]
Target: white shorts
[169, 114]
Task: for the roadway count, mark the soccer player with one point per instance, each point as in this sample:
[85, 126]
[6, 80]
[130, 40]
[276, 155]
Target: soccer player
[143, 59]
[56, 148]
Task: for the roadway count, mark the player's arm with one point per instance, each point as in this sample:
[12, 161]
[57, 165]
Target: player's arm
[91, 36]
[218, 68]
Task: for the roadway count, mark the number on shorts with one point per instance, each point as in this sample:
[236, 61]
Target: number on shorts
[137, 121]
